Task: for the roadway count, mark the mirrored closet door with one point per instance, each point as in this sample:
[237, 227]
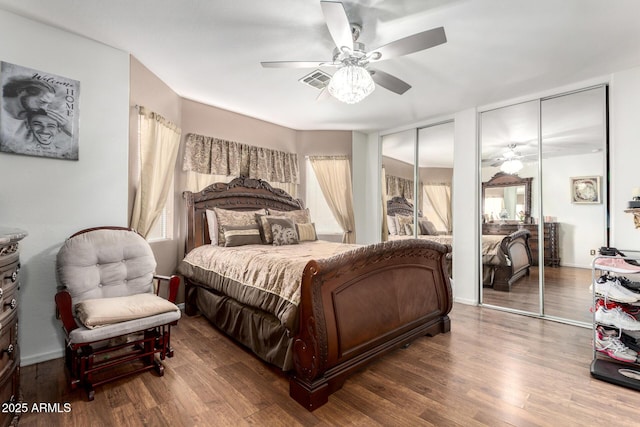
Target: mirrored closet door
[556, 146]
[417, 171]
[509, 204]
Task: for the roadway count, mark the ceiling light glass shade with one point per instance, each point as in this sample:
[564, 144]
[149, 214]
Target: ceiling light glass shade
[511, 166]
[351, 84]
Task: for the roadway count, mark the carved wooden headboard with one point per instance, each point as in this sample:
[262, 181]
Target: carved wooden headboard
[400, 206]
[242, 194]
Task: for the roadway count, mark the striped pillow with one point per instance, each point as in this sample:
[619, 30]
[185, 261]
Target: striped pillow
[306, 232]
[238, 235]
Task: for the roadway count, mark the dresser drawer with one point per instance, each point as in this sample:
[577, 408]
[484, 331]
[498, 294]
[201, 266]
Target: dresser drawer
[8, 343]
[9, 287]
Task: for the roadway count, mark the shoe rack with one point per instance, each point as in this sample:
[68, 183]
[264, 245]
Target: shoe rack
[604, 367]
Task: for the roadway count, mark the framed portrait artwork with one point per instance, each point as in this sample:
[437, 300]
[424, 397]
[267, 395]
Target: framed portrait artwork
[585, 190]
[39, 114]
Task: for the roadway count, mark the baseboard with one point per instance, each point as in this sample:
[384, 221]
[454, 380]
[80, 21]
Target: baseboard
[42, 357]
[465, 301]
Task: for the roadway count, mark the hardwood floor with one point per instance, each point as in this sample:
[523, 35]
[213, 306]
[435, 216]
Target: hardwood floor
[493, 369]
[566, 293]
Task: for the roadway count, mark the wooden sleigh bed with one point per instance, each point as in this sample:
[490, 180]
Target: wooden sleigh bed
[505, 259]
[353, 307]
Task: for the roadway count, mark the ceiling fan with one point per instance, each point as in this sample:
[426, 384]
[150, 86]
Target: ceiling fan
[354, 80]
[510, 162]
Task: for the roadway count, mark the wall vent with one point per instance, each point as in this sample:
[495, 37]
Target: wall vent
[318, 79]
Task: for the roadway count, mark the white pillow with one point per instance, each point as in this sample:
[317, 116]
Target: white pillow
[391, 225]
[212, 222]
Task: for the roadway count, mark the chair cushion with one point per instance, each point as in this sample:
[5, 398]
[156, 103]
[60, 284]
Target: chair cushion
[86, 335]
[105, 263]
[94, 313]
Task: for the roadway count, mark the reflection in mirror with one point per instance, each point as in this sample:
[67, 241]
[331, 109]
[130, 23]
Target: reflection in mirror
[417, 200]
[506, 197]
[398, 170]
[509, 147]
[573, 147]
[563, 229]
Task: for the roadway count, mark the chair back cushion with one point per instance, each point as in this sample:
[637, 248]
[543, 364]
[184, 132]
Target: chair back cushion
[105, 263]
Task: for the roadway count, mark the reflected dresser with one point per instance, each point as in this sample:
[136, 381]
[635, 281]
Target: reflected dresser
[9, 353]
[550, 240]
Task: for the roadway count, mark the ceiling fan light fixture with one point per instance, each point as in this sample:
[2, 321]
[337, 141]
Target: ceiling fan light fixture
[351, 84]
[511, 166]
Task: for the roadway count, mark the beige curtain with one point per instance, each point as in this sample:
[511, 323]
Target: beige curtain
[159, 143]
[334, 178]
[213, 156]
[439, 196]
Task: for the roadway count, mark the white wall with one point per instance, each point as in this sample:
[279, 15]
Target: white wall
[581, 225]
[464, 196]
[51, 198]
[624, 146]
[366, 189]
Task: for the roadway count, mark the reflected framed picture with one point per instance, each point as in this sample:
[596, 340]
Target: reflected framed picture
[585, 190]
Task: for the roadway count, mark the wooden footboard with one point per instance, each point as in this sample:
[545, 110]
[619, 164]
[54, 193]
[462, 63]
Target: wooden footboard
[358, 306]
[516, 247]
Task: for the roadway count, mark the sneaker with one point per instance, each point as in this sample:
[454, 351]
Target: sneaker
[617, 265]
[610, 288]
[603, 334]
[607, 251]
[611, 345]
[631, 309]
[618, 318]
[629, 284]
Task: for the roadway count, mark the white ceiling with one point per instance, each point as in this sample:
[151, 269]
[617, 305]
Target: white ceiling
[210, 50]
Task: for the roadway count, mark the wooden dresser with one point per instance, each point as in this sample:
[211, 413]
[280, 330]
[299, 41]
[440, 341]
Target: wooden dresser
[551, 239]
[9, 352]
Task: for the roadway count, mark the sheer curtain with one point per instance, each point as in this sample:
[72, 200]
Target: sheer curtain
[439, 196]
[159, 143]
[334, 177]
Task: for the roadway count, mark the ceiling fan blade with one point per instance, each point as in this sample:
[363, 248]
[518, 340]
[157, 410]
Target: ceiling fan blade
[338, 24]
[323, 95]
[389, 82]
[411, 44]
[294, 64]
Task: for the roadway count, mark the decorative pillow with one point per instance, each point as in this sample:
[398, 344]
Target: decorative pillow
[306, 232]
[402, 221]
[239, 235]
[408, 229]
[427, 227]
[300, 216]
[212, 222]
[391, 225]
[98, 312]
[283, 231]
[234, 218]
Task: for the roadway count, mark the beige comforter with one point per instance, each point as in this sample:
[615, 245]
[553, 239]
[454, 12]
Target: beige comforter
[491, 252]
[262, 276]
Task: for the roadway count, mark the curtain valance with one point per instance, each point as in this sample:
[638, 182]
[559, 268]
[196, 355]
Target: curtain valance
[214, 156]
[401, 187]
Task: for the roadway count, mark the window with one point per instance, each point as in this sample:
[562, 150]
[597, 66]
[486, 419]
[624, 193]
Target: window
[321, 215]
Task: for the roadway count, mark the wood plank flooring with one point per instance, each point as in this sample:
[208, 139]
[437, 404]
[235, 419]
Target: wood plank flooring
[566, 293]
[493, 369]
